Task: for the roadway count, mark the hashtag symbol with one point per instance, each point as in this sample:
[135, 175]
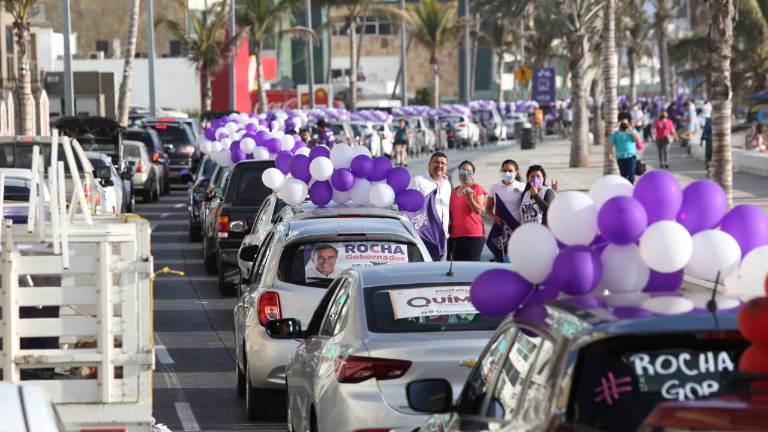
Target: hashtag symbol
[610, 388]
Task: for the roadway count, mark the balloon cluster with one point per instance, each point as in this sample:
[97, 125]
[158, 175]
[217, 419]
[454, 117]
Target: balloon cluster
[341, 175]
[412, 111]
[632, 241]
[520, 107]
[331, 114]
[482, 105]
[372, 116]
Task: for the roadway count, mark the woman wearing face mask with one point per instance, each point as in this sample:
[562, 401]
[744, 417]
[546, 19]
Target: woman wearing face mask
[467, 203]
[504, 200]
[537, 196]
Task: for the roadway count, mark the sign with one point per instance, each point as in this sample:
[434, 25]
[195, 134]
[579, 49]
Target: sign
[523, 74]
[323, 95]
[430, 302]
[328, 260]
[543, 90]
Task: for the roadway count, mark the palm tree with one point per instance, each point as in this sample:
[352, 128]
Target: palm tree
[610, 86]
[124, 99]
[207, 44]
[435, 26]
[19, 10]
[721, 46]
[636, 32]
[663, 12]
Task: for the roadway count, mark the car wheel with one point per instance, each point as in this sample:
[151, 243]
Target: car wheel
[225, 289]
[194, 233]
[240, 378]
[208, 259]
[256, 400]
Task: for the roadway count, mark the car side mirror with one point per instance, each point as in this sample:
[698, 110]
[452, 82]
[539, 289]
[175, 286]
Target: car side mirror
[432, 396]
[217, 192]
[126, 175]
[102, 173]
[248, 253]
[286, 328]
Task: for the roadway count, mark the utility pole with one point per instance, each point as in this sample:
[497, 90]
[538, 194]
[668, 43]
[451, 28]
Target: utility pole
[467, 55]
[310, 57]
[151, 57]
[232, 95]
[403, 60]
[522, 53]
[69, 94]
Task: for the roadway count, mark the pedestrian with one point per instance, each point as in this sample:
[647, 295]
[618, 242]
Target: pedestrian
[537, 196]
[757, 144]
[467, 230]
[637, 117]
[436, 178]
[324, 135]
[567, 121]
[691, 122]
[305, 136]
[664, 130]
[624, 148]
[706, 141]
[503, 207]
[538, 122]
[402, 137]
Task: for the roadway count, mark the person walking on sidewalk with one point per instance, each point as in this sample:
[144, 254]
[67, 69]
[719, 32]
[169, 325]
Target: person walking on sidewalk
[467, 230]
[436, 178]
[624, 147]
[402, 137]
[538, 122]
[537, 196]
[503, 207]
[664, 131]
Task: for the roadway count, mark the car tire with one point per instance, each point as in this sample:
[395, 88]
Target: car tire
[225, 289]
[146, 195]
[208, 259]
[256, 400]
[194, 233]
[240, 379]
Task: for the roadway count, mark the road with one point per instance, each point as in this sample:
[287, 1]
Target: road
[194, 380]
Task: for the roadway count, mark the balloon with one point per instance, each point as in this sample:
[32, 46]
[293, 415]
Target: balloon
[607, 187]
[754, 360]
[206, 146]
[220, 134]
[532, 250]
[226, 143]
[381, 167]
[753, 321]
[293, 191]
[668, 305]
[381, 195]
[283, 162]
[660, 194]
[236, 155]
[304, 151]
[623, 269]
[622, 220]
[361, 166]
[231, 126]
[498, 292]
[714, 253]
[321, 193]
[225, 158]
[572, 217]
[753, 272]
[340, 197]
[664, 282]
[666, 246]
[341, 155]
[261, 137]
[210, 133]
[299, 168]
[532, 313]
[359, 194]
[216, 147]
[410, 200]
[274, 145]
[247, 144]
[748, 225]
[360, 151]
[272, 178]
[319, 151]
[260, 153]
[576, 270]
[631, 312]
[287, 142]
[398, 178]
[626, 299]
[543, 292]
[321, 168]
[342, 179]
[704, 205]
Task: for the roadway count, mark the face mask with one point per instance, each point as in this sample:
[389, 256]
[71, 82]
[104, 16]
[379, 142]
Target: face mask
[464, 175]
[537, 181]
[508, 176]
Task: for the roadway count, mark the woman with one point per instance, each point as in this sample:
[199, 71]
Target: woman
[758, 142]
[664, 130]
[466, 205]
[624, 147]
[505, 196]
[537, 196]
[401, 143]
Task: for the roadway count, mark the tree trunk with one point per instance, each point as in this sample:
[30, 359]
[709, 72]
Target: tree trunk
[435, 81]
[24, 80]
[597, 123]
[577, 61]
[610, 83]
[361, 39]
[353, 65]
[632, 75]
[473, 58]
[206, 90]
[721, 44]
[500, 75]
[124, 101]
[260, 77]
[661, 37]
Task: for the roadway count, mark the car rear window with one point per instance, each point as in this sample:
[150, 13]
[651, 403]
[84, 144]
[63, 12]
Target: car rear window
[419, 308]
[132, 151]
[317, 264]
[144, 136]
[618, 381]
[16, 189]
[173, 133]
[250, 189]
[19, 155]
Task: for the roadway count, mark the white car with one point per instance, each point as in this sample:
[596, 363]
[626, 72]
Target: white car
[297, 261]
[18, 183]
[387, 137]
[145, 180]
[467, 130]
[510, 121]
[27, 408]
[372, 334]
[111, 182]
[368, 136]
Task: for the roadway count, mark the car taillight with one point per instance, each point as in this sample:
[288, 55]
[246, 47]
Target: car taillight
[269, 307]
[155, 156]
[462, 125]
[188, 150]
[223, 227]
[88, 192]
[354, 369]
[139, 167]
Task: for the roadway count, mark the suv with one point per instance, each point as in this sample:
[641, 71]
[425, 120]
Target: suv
[213, 196]
[179, 143]
[198, 193]
[157, 154]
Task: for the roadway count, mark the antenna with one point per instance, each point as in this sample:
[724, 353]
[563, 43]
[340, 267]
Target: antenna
[450, 268]
[712, 302]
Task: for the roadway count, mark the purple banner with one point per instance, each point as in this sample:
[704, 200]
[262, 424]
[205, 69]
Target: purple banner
[498, 237]
[429, 226]
[543, 90]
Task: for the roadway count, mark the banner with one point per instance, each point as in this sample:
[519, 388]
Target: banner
[429, 226]
[431, 302]
[543, 90]
[498, 237]
[328, 260]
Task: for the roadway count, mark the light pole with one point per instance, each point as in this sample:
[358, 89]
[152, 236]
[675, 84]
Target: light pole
[403, 60]
[231, 26]
[151, 57]
[310, 58]
[69, 94]
[467, 55]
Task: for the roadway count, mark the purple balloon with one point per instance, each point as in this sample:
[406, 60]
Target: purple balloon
[274, 145]
[381, 167]
[664, 282]
[622, 220]
[283, 162]
[297, 138]
[631, 312]
[410, 200]
[659, 192]
[210, 133]
[342, 179]
[319, 151]
[543, 292]
[704, 205]
[587, 302]
[398, 178]
[250, 127]
[261, 137]
[235, 146]
[361, 166]
[499, 291]
[577, 270]
[236, 155]
[299, 168]
[532, 314]
[748, 225]
[321, 193]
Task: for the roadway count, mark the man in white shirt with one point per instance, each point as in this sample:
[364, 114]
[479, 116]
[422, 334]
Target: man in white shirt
[436, 178]
[637, 118]
[706, 110]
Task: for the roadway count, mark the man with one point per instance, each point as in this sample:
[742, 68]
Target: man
[637, 116]
[323, 264]
[538, 122]
[691, 122]
[706, 134]
[436, 178]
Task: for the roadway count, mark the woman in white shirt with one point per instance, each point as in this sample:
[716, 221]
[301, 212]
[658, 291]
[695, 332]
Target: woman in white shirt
[508, 193]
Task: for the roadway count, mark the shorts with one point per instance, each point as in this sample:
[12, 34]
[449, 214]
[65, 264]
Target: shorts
[405, 143]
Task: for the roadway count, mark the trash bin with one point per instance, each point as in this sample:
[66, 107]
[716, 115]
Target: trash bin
[519, 129]
[527, 141]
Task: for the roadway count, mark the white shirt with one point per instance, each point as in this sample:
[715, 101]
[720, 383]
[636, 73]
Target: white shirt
[510, 195]
[706, 110]
[637, 115]
[311, 272]
[529, 209]
[425, 184]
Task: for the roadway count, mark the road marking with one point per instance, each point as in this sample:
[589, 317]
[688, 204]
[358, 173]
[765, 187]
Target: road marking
[187, 417]
[183, 408]
[164, 215]
[162, 355]
[179, 205]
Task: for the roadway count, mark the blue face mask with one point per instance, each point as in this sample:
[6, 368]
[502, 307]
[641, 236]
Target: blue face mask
[465, 175]
[508, 176]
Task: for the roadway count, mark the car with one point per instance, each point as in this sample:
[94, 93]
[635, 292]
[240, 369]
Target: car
[18, 185]
[198, 193]
[296, 263]
[371, 334]
[468, 132]
[367, 136]
[117, 196]
[386, 135]
[27, 408]
[157, 154]
[580, 364]
[424, 139]
[145, 180]
[513, 122]
[179, 143]
[209, 215]
[490, 119]
[342, 131]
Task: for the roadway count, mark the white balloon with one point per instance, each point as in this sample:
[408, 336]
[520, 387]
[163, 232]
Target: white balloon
[221, 133]
[216, 147]
[247, 145]
[628, 299]
[668, 305]
[226, 143]
[273, 178]
[303, 151]
[287, 143]
[666, 246]
[700, 300]
[293, 191]
[341, 155]
[753, 272]
[360, 192]
[532, 250]
[321, 168]
[260, 153]
[623, 269]
[224, 158]
[231, 126]
[205, 146]
[244, 118]
[278, 134]
[609, 186]
[381, 195]
[714, 252]
[572, 217]
[360, 150]
[340, 197]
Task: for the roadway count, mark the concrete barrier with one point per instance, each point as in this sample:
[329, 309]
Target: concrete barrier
[743, 160]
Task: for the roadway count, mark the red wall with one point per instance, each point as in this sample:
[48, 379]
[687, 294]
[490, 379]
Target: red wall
[220, 83]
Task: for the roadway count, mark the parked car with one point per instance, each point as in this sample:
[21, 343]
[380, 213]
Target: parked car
[179, 143]
[209, 216]
[466, 130]
[296, 263]
[268, 214]
[27, 408]
[367, 136]
[157, 154]
[512, 122]
[18, 186]
[492, 122]
[386, 135]
[342, 131]
[118, 190]
[578, 364]
[382, 332]
[424, 139]
[198, 193]
[145, 180]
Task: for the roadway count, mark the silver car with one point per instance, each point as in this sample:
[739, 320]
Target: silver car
[297, 262]
[372, 334]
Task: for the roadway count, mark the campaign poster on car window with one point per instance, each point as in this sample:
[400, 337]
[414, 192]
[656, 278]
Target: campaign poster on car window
[430, 302]
[328, 260]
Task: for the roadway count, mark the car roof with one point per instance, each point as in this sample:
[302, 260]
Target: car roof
[308, 210]
[426, 273]
[26, 139]
[339, 227]
[97, 155]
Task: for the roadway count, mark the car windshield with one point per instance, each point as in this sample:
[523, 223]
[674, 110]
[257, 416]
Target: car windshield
[173, 133]
[416, 309]
[132, 151]
[207, 168]
[19, 155]
[16, 189]
[618, 381]
[317, 264]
